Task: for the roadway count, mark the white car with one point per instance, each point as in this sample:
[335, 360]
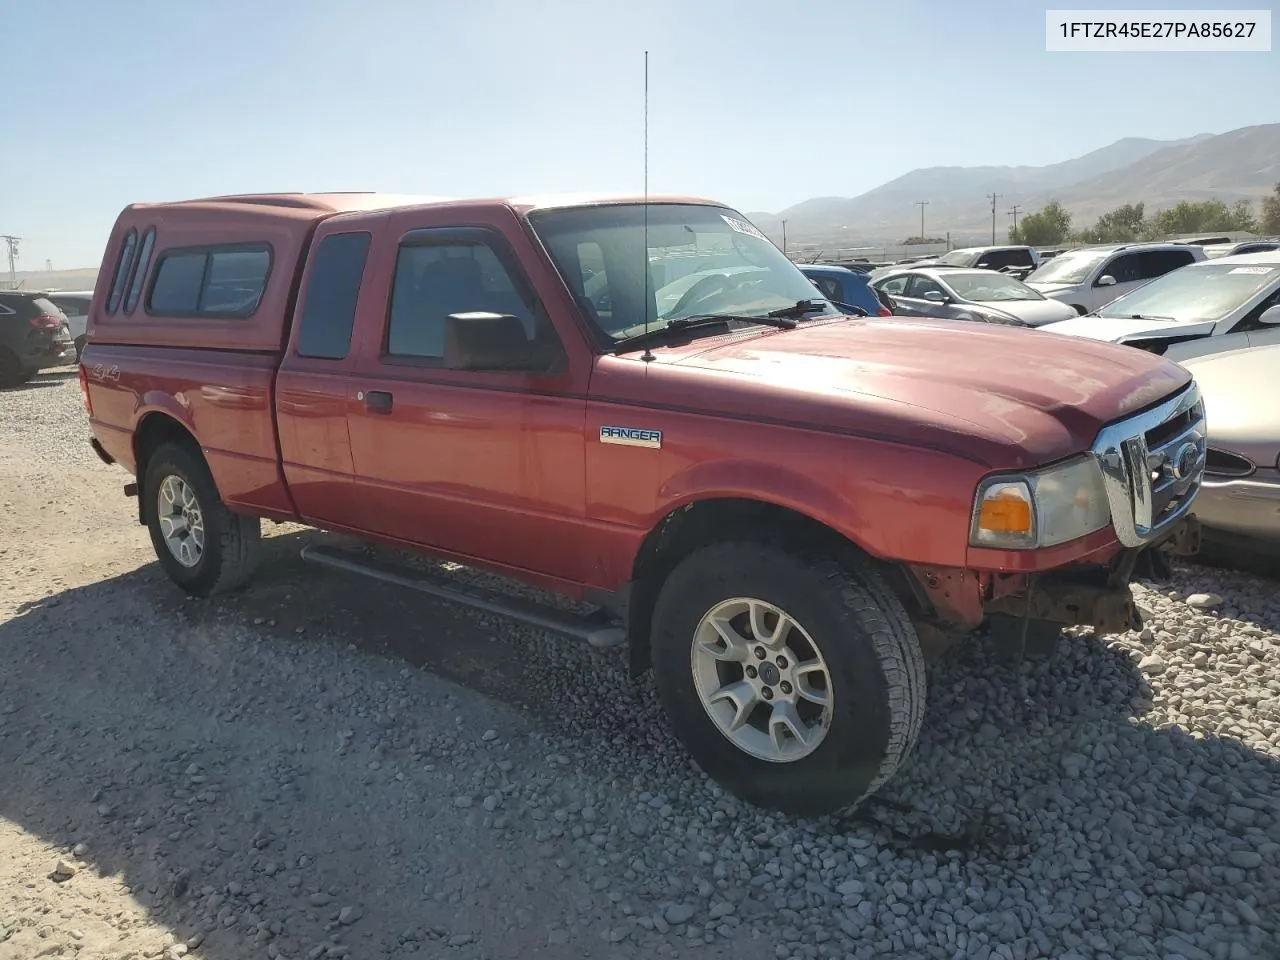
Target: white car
[1208, 307]
[1091, 277]
[75, 304]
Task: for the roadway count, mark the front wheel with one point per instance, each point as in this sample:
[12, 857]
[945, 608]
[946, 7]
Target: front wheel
[204, 547]
[797, 682]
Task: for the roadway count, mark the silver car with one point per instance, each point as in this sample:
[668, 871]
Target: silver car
[1239, 503]
[982, 295]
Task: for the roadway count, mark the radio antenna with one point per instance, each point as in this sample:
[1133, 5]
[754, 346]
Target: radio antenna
[648, 352]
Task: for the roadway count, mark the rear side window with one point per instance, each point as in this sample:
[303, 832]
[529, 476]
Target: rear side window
[127, 250]
[329, 304]
[830, 288]
[140, 272]
[211, 282]
[1157, 263]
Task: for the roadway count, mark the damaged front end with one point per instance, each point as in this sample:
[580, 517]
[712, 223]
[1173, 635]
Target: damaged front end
[951, 599]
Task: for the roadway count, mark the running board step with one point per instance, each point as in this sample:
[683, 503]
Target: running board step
[598, 629]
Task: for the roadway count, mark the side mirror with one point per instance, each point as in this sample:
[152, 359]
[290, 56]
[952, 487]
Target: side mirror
[495, 341]
[1270, 315]
[933, 296]
[1106, 280]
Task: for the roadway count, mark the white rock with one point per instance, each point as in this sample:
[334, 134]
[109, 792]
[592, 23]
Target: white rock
[1204, 601]
[1153, 665]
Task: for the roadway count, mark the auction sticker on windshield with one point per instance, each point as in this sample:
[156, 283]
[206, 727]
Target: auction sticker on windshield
[1260, 271]
[741, 226]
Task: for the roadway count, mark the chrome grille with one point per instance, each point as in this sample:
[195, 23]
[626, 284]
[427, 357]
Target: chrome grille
[1152, 466]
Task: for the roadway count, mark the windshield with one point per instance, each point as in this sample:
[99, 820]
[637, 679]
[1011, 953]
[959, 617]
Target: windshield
[1066, 268]
[701, 260]
[957, 258]
[989, 287]
[1197, 293]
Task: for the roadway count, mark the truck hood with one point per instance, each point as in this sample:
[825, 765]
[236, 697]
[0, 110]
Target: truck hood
[1115, 329]
[1007, 397]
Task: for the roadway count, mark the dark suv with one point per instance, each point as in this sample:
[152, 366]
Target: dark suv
[33, 336]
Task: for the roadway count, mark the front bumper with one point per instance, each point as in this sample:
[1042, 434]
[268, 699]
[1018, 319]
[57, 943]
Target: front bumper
[1248, 507]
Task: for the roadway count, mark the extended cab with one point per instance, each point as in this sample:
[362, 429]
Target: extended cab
[645, 407]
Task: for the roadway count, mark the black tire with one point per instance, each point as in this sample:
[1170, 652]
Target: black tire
[1079, 309]
[12, 372]
[231, 544]
[864, 635]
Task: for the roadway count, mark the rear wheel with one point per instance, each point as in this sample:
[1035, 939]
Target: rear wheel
[12, 372]
[204, 547]
[797, 682]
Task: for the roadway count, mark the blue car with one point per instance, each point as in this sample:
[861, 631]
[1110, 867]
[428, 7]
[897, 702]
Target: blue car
[842, 285]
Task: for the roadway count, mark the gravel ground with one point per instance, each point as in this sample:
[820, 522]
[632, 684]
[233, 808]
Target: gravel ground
[327, 768]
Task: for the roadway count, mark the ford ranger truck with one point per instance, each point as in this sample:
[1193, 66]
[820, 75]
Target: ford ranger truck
[645, 407]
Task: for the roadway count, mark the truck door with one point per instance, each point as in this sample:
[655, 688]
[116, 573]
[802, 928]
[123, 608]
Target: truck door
[313, 388]
[486, 464]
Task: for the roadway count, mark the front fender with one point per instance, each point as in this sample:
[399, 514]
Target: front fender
[772, 483]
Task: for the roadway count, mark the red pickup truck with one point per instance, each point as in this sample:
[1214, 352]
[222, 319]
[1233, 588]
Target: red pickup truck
[645, 407]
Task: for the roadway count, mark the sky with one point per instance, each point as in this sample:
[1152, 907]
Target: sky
[757, 104]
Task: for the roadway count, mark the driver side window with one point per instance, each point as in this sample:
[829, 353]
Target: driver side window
[1123, 268]
[919, 286]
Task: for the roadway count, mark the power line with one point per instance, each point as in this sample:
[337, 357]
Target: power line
[993, 197]
[921, 204]
[1014, 210]
[12, 243]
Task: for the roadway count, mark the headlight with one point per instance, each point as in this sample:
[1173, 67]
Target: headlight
[1040, 509]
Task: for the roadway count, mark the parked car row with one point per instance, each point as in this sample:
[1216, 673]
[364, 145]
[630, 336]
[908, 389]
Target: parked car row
[1220, 317]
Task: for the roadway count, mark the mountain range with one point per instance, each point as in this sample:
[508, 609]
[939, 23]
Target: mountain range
[1240, 164]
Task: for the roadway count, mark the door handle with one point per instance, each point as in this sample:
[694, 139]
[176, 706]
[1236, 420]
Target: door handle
[377, 401]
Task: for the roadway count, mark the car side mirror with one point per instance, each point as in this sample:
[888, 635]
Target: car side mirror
[495, 341]
[933, 296]
[1270, 315]
[1106, 280]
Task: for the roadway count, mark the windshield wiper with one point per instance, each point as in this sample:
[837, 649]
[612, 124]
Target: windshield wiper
[700, 320]
[798, 309]
[1147, 316]
[852, 309]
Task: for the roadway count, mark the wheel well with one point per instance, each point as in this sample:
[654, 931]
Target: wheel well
[153, 432]
[695, 525]
[1079, 308]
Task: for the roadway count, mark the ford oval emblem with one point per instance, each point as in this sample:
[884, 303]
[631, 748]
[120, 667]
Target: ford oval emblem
[1183, 461]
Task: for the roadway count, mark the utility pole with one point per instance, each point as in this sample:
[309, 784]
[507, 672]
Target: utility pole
[12, 243]
[993, 197]
[922, 204]
[1014, 210]
[784, 238]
